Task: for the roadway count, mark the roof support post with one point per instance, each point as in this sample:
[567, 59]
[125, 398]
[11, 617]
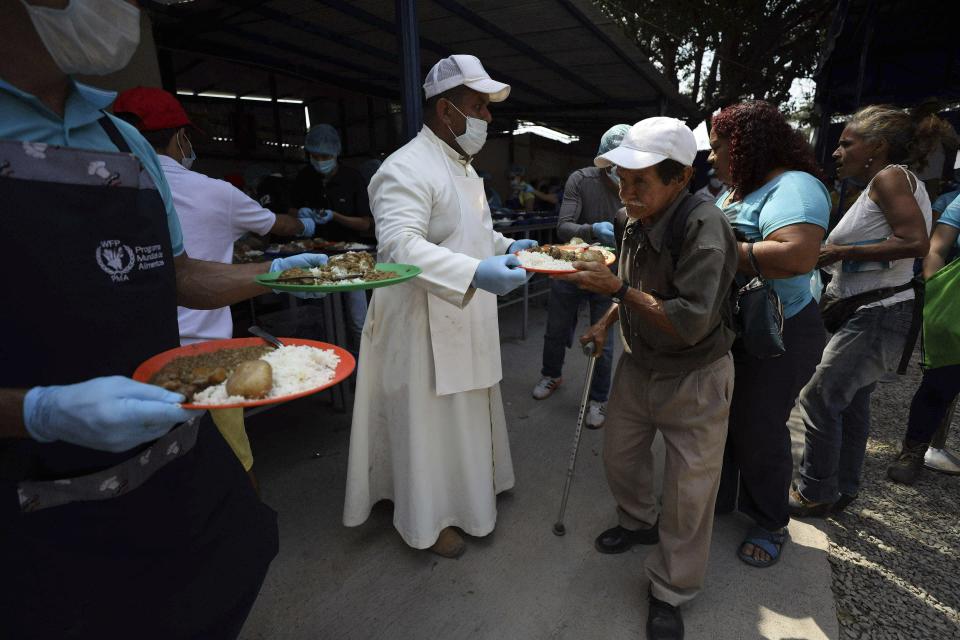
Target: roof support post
[277, 123]
[408, 42]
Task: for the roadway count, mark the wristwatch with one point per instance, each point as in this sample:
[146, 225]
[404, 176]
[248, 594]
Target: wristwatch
[621, 293]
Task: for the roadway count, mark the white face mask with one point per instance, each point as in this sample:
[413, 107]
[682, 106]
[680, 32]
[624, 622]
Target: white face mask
[185, 160]
[91, 37]
[473, 139]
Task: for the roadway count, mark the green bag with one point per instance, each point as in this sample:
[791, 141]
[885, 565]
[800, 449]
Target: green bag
[941, 318]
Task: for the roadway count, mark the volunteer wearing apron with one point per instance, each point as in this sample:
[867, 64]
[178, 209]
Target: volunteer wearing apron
[429, 431]
[123, 514]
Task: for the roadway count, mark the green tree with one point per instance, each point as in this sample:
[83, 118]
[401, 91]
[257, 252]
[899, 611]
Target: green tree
[721, 51]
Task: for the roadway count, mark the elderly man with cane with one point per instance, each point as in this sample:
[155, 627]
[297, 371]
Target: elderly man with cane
[678, 258]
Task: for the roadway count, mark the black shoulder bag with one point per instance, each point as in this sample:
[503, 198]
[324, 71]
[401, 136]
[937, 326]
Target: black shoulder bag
[759, 315]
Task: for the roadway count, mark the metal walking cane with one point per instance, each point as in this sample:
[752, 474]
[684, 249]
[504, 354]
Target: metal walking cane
[590, 351]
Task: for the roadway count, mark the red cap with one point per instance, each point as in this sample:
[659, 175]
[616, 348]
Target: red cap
[157, 109]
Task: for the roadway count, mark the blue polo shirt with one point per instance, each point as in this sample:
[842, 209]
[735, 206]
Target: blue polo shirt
[940, 204]
[24, 117]
[793, 197]
[951, 217]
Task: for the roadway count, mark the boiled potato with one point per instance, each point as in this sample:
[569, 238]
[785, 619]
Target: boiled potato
[252, 380]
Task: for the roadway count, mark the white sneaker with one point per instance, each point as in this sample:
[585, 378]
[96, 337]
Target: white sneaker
[596, 414]
[546, 387]
[942, 460]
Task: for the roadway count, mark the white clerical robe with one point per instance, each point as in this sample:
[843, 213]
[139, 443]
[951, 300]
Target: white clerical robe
[429, 431]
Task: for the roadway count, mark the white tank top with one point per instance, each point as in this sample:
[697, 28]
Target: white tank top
[864, 223]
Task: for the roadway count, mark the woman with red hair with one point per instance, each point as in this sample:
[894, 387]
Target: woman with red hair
[780, 210]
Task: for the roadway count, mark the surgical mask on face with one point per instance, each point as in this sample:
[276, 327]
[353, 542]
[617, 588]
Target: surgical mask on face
[185, 160]
[475, 135]
[325, 167]
[92, 37]
[715, 183]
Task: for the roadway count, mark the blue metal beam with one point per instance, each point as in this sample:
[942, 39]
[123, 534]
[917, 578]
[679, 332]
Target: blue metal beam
[317, 30]
[281, 66]
[408, 44]
[483, 24]
[370, 73]
[441, 50]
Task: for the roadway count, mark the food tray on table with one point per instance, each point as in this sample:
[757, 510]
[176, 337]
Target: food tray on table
[403, 273]
[559, 259]
[322, 371]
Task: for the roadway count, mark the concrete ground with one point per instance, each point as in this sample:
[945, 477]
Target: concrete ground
[521, 581]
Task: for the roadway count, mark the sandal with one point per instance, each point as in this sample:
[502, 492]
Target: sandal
[769, 541]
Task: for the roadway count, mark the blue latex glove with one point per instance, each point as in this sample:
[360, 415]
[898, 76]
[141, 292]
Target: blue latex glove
[309, 227]
[109, 414]
[304, 261]
[319, 216]
[520, 245]
[499, 274]
[603, 233]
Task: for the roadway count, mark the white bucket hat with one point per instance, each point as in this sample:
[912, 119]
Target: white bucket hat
[463, 70]
[651, 141]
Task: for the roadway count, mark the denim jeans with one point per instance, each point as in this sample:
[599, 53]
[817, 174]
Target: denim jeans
[835, 404]
[562, 311]
[355, 306]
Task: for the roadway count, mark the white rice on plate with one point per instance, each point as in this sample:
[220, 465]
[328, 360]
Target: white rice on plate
[537, 260]
[296, 368]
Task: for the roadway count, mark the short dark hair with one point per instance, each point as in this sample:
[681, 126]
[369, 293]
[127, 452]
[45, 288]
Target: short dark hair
[453, 95]
[158, 139]
[669, 170]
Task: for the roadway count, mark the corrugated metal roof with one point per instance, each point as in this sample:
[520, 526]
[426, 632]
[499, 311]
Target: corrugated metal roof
[570, 66]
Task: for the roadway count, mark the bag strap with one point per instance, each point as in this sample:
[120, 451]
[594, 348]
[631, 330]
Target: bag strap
[916, 323]
[753, 262]
[678, 224]
[114, 134]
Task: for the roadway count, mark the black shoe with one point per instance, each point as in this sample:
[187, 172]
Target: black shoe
[842, 503]
[800, 507]
[906, 467]
[618, 539]
[664, 621]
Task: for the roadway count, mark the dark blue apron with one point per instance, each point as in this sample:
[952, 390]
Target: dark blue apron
[91, 291]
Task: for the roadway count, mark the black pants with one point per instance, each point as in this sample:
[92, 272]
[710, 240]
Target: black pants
[757, 464]
[930, 403]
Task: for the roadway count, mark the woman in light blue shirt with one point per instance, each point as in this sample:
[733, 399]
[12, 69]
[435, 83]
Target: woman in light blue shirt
[780, 210]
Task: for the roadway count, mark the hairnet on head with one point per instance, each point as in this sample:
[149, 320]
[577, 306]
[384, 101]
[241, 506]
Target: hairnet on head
[612, 138]
[323, 139]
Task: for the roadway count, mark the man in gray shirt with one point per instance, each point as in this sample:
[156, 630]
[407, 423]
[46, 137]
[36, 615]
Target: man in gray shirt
[590, 201]
[676, 376]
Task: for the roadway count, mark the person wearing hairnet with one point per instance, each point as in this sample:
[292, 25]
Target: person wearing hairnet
[591, 200]
[429, 431]
[335, 197]
[123, 514]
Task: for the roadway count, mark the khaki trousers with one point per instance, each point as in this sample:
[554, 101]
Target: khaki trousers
[690, 410]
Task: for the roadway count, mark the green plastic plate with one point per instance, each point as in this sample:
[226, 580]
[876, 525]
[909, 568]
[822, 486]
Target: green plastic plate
[404, 272]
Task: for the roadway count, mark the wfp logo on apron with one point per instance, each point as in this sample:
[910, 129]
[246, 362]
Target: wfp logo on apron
[115, 259]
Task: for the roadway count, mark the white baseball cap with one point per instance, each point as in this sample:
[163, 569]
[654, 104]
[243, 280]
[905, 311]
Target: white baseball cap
[651, 141]
[466, 70]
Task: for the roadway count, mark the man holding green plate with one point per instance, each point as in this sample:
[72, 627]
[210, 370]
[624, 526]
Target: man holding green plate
[429, 432]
